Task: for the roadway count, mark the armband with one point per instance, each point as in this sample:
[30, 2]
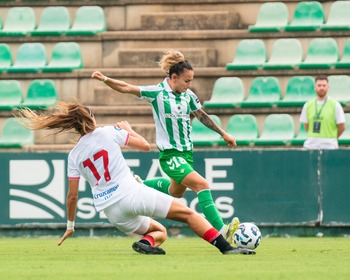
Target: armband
[70, 225]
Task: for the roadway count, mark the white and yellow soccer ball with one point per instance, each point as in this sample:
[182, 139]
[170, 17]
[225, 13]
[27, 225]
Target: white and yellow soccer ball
[247, 235]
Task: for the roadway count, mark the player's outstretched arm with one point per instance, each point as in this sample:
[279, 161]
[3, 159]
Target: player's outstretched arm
[72, 200]
[208, 122]
[117, 85]
[136, 141]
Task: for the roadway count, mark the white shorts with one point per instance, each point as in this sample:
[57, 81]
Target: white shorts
[132, 213]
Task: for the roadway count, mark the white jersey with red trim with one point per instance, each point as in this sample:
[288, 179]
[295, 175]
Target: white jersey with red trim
[98, 158]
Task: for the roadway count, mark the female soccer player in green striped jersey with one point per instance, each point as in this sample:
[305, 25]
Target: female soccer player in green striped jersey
[172, 103]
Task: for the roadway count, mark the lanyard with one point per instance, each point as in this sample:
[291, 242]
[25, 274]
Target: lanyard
[319, 113]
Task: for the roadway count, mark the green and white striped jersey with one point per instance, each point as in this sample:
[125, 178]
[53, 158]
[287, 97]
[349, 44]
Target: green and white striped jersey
[171, 114]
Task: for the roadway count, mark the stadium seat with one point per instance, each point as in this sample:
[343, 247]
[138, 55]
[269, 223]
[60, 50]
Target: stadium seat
[250, 54]
[344, 139]
[272, 17]
[279, 59]
[66, 56]
[299, 90]
[308, 16]
[322, 53]
[41, 94]
[88, 20]
[301, 136]
[244, 128]
[10, 94]
[344, 61]
[339, 88]
[54, 20]
[19, 22]
[204, 136]
[228, 92]
[31, 57]
[278, 129]
[338, 18]
[5, 57]
[263, 92]
[15, 135]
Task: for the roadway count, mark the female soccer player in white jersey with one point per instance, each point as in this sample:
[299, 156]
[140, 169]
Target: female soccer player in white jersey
[128, 205]
[172, 102]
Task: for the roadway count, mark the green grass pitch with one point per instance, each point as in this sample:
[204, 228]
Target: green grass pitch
[187, 258]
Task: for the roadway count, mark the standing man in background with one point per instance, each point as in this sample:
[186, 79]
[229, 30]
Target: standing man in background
[323, 118]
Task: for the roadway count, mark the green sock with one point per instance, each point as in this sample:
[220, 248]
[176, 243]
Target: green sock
[158, 183]
[209, 209]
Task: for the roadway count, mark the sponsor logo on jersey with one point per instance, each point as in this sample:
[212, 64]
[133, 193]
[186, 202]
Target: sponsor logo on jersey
[106, 193]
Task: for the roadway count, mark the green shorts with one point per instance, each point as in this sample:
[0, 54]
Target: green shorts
[176, 164]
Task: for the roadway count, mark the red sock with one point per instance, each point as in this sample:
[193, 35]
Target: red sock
[215, 238]
[149, 239]
[211, 235]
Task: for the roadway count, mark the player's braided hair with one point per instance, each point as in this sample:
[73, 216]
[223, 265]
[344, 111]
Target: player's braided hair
[174, 61]
[64, 116]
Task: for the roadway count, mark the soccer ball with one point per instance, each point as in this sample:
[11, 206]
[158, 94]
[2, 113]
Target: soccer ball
[247, 236]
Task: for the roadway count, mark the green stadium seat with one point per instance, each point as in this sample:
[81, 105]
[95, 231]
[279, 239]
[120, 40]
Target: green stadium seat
[272, 17]
[278, 129]
[88, 20]
[279, 59]
[15, 135]
[308, 16]
[5, 57]
[244, 128]
[344, 61]
[299, 90]
[338, 18]
[344, 139]
[339, 88]
[301, 136]
[54, 20]
[322, 53]
[19, 22]
[31, 57]
[204, 136]
[250, 54]
[41, 94]
[263, 92]
[10, 94]
[228, 92]
[66, 57]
